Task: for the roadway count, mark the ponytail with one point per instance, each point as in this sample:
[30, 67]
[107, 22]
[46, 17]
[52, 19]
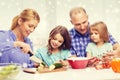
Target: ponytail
[14, 22]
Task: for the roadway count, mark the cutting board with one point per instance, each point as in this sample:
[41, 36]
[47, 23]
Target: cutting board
[46, 70]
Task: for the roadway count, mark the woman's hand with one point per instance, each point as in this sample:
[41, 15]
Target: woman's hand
[24, 47]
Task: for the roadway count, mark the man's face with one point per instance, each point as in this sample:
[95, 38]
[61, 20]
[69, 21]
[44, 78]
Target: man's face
[80, 22]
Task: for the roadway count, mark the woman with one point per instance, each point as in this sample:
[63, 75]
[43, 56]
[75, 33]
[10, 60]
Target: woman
[14, 43]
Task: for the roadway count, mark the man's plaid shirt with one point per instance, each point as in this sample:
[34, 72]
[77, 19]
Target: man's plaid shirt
[79, 42]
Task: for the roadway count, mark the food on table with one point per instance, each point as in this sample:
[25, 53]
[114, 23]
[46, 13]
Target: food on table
[93, 61]
[10, 70]
[100, 63]
[55, 66]
[115, 64]
[41, 66]
[99, 67]
[103, 65]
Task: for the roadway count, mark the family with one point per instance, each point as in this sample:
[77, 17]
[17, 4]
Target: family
[83, 40]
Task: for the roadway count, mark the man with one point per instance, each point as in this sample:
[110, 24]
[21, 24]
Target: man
[80, 33]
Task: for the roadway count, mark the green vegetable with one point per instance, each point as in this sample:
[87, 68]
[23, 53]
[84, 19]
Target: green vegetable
[55, 66]
[8, 70]
[5, 72]
[41, 66]
[58, 65]
[10, 67]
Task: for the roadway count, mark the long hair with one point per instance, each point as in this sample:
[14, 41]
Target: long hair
[25, 15]
[65, 34]
[101, 27]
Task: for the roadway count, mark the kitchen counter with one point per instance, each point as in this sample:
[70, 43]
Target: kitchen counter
[72, 74]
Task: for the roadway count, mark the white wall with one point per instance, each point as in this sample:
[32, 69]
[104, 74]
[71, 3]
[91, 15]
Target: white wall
[56, 12]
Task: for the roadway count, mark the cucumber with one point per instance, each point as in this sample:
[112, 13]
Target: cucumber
[55, 66]
[58, 65]
[42, 65]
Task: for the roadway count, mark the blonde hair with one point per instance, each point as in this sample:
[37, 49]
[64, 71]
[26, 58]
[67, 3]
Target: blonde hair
[101, 27]
[77, 10]
[25, 15]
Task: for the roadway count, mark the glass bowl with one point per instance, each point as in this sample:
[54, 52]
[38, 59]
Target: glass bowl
[9, 71]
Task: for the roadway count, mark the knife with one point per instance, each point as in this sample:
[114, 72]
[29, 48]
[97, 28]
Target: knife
[30, 53]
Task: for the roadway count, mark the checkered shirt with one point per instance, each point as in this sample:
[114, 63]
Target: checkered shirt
[79, 42]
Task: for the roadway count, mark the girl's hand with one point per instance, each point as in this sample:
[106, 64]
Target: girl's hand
[24, 47]
[36, 65]
[64, 62]
[111, 54]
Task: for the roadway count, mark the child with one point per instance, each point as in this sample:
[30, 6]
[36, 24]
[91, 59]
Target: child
[99, 37]
[57, 49]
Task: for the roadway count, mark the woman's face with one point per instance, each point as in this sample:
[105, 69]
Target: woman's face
[57, 41]
[28, 27]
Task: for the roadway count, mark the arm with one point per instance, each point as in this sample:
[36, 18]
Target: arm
[116, 45]
[5, 42]
[8, 42]
[41, 56]
[23, 46]
[88, 51]
[89, 55]
[35, 59]
[72, 51]
[116, 49]
[73, 56]
[10, 51]
[7, 46]
[64, 62]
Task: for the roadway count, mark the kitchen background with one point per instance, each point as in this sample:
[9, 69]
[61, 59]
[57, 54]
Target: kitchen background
[56, 12]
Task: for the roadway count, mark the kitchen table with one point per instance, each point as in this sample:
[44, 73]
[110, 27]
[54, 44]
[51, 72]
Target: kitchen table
[72, 74]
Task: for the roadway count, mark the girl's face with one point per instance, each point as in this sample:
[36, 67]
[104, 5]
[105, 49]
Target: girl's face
[57, 41]
[95, 36]
[27, 27]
